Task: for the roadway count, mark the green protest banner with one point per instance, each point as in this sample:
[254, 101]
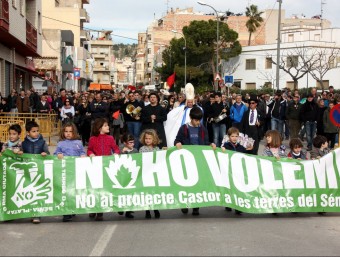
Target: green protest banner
[195, 176]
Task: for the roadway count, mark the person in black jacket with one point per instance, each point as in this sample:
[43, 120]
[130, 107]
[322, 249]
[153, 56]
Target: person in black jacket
[293, 116]
[133, 121]
[278, 113]
[193, 133]
[251, 124]
[153, 117]
[308, 115]
[219, 126]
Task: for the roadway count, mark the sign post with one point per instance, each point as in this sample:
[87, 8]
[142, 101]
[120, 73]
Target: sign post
[76, 76]
[228, 80]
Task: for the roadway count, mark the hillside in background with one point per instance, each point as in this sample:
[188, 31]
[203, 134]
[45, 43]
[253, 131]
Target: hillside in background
[123, 50]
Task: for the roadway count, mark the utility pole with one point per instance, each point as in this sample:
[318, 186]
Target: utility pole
[278, 48]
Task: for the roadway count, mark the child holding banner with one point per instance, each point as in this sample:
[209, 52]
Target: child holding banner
[296, 151]
[193, 133]
[69, 145]
[128, 148]
[14, 142]
[320, 147]
[101, 144]
[149, 139]
[274, 147]
[34, 143]
[233, 145]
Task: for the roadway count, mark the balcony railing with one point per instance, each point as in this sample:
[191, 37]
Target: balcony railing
[84, 15]
[31, 36]
[4, 14]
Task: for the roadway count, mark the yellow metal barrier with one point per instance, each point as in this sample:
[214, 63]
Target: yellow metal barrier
[49, 124]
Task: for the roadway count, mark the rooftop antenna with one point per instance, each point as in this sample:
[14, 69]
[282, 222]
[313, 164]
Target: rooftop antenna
[167, 5]
[323, 2]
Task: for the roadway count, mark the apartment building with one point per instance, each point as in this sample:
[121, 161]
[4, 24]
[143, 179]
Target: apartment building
[157, 37]
[20, 40]
[63, 49]
[101, 48]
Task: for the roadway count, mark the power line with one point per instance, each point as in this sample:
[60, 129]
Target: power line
[95, 30]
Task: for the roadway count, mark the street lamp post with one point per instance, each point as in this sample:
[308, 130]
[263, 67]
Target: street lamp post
[278, 48]
[217, 39]
[185, 56]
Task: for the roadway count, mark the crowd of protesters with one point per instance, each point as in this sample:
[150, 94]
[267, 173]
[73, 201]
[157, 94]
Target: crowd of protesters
[283, 111]
[135, 121]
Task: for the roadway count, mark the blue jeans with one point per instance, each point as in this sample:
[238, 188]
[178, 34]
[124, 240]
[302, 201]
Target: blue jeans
[134, 129]
[310, 132]
[219, 131]
[277, 124]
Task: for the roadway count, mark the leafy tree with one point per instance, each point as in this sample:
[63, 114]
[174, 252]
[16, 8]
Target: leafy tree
[201, 48]
[254, 20]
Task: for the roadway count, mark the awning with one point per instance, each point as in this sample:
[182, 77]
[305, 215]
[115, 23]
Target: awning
[97, 87]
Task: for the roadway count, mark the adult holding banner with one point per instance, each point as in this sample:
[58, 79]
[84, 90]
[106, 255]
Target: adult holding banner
[251, 124]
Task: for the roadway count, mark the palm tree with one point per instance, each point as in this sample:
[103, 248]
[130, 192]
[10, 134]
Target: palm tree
[254, 20]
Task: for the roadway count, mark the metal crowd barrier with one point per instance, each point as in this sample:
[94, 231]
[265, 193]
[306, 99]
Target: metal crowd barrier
[49, 124]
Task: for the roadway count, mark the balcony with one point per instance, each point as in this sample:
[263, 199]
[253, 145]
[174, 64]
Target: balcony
[84, 16]
[31, 36]
[84, 35]
[4, 15]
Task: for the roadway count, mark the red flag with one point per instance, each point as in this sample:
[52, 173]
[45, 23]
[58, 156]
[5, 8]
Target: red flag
[171, 80]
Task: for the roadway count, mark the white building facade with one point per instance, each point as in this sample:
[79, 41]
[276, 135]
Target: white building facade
[254, 68]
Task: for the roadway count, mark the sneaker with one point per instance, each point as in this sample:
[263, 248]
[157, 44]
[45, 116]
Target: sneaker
[67, 218]
[120, 212]
[195, 212]
[36, 220]
[147, 215]
[157, 214]
[92, 215]
[185, 210]
[129, 215]
[228, 209]
[99, 217]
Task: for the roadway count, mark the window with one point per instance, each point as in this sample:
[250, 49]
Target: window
[149, 50]
[250, 85]
[290, 84]
[290, 38]
[237, 84]
[269, 63]
[324, 82]
[331, 62]
[292, 61]
[149, 36]
[149, 64]
[56, 3]
[251, 64]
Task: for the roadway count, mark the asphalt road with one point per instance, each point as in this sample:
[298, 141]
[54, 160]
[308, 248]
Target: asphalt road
[214, 232]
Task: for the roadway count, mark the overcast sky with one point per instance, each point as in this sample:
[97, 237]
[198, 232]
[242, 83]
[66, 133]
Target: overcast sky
[128, 17]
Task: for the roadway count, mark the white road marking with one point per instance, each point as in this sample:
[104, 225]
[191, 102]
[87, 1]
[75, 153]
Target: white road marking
[103, 241]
